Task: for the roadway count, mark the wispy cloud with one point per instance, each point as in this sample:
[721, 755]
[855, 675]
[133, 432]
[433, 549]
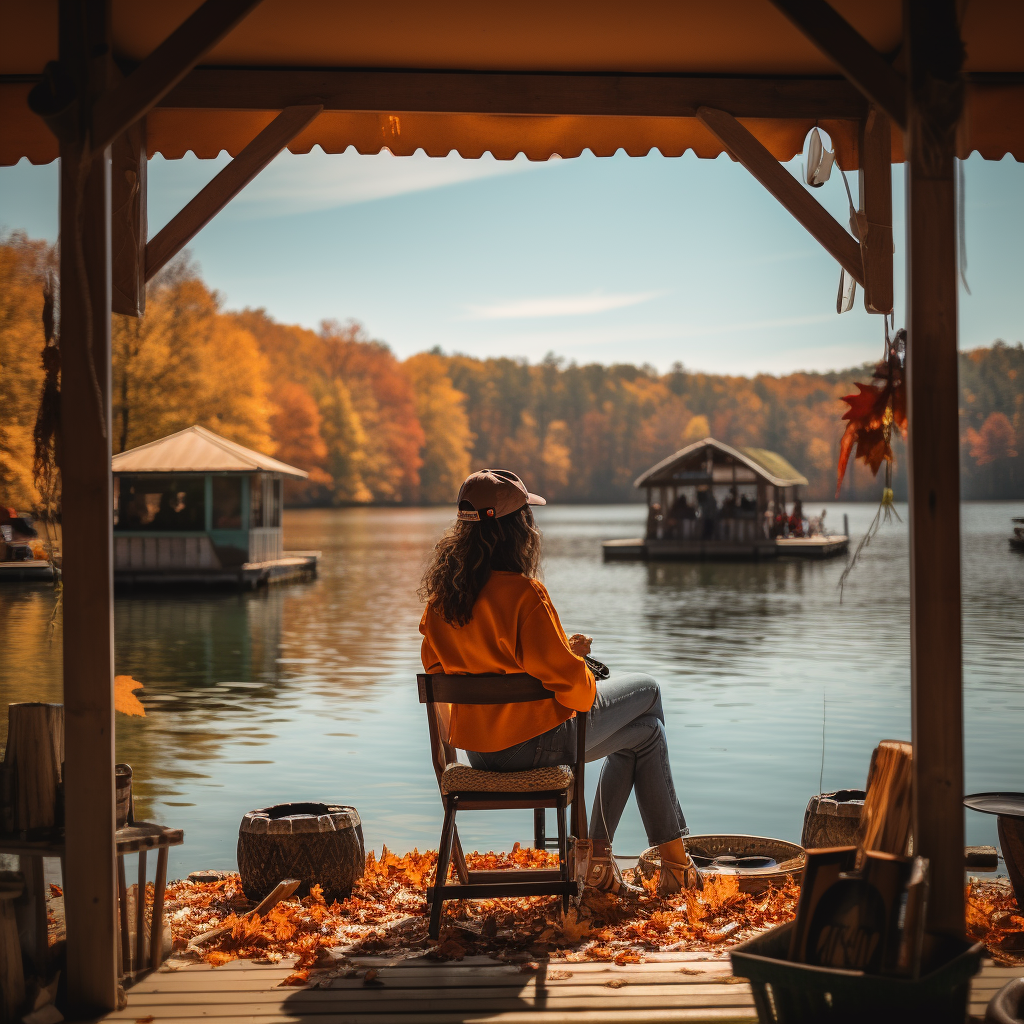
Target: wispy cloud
[558, 305]
[320, 181]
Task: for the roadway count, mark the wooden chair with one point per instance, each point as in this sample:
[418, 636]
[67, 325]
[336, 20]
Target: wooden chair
[467, 789]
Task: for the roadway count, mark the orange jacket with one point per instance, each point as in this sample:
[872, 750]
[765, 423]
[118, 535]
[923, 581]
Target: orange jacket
[514, 628]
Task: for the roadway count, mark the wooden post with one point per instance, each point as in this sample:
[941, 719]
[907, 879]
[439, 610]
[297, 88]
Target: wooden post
[935, 99]
[874, 220]
[90, 889]
[129, 227]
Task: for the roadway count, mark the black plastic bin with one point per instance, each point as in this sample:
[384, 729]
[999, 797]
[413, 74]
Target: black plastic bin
[789, 993]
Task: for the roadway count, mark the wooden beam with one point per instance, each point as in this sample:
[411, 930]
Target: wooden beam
[515, 93]
[90, 891]
[192, 218]
[128, 202]
[935, 55]
[838, 242]
[165, 67]
[858, 60]
[874, 219]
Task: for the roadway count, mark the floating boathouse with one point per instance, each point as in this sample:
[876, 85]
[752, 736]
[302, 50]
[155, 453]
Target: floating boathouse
[710, 500]
[195, 507]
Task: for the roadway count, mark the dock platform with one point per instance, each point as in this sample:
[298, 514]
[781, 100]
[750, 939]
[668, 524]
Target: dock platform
[250, 575]
[668, 987]
[711, 550]
[31, 570]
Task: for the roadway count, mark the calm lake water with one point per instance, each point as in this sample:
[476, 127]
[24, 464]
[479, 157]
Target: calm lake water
[307, 691]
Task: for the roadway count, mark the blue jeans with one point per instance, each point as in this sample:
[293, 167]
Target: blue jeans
[626, 726]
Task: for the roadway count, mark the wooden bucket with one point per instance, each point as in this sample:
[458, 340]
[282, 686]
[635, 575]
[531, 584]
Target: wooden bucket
[316, 843]
[832, 819]
[123, 792]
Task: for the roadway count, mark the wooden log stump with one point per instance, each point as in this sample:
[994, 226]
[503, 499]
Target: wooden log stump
[12, 975]
[886, 818]
[35, 753]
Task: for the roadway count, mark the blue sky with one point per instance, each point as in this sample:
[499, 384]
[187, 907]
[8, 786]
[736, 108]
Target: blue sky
[617, 259]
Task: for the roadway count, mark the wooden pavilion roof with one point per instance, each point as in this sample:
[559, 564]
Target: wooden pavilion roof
[198, 450]
[538, 78]
[767, 465]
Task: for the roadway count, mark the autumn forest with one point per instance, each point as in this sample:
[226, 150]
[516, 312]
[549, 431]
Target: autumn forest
[371, 428]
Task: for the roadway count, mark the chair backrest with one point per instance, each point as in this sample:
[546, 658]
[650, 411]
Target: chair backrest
[515, 688]
[438, 691]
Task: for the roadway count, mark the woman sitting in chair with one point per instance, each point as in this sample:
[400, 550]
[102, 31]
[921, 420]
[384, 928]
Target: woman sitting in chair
[488, 613]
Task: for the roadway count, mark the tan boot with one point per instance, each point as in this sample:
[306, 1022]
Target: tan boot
[675, 877]
[603, 873]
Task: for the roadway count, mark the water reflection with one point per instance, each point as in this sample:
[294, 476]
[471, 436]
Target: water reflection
[306, 691]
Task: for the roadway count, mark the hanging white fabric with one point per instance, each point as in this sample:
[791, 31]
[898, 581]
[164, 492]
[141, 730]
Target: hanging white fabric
[847, 292]
[819, 160]
[961, 224]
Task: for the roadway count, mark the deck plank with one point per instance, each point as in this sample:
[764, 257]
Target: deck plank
[613, 1016]
[478, 990]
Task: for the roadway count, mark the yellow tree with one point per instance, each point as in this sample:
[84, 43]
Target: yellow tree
[187, 362]
[448, 441]
[697, 429]
[24, 264]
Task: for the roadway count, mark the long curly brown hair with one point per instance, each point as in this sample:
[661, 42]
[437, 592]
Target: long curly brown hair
[469, 552]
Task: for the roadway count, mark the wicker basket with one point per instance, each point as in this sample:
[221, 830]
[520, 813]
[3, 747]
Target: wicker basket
[789, 859]
[320, 844]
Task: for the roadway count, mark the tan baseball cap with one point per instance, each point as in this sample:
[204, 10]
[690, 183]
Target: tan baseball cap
[493, 493]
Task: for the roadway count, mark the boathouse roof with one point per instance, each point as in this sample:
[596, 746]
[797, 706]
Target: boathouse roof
[768, 465]
[198, 450]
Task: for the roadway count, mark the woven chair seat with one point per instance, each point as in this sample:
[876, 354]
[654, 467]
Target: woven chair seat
[460, 778]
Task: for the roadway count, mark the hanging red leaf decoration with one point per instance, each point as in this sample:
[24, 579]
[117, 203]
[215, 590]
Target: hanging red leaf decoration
[866, 416]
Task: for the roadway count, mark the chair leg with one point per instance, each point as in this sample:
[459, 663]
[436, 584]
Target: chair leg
[443, 857]
[539, 839]
[461, 867]
[563, 853]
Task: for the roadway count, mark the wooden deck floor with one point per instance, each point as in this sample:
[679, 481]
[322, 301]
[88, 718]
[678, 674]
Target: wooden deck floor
[675, 987]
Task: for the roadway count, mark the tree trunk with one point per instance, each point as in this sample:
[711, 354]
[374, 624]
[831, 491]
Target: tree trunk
[35, 751]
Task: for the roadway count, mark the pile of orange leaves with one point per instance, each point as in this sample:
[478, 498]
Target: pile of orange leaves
[387, 915]
[874, 411]
[994, 918]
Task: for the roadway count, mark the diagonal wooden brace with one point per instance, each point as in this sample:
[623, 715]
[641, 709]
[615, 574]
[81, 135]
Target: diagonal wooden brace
[837, 241]
[858, 60]
[194, 216]
[164, 68]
